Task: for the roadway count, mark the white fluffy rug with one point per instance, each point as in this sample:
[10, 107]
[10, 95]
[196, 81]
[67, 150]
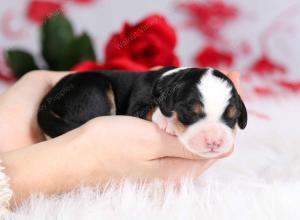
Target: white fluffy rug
[261, 180]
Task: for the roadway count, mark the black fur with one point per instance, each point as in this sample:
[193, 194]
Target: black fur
[80, 97]
[178, 92]
[77, 98]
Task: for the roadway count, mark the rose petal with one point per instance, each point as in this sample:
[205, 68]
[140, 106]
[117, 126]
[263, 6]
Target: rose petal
[37, 10]
[149, 43]
[263, 91]
[293, 86]
[209, 17]
[124, 63]
[84, 1]
[265, 66]
[88, 65]
[212, 57]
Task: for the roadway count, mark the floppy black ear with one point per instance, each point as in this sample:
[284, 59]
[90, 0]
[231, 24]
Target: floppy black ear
[243, 118]
[163, 95]
[164, 92]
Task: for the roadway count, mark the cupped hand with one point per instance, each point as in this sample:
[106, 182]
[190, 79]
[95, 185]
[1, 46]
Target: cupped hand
[19, 106]
[104, 149]
[124, 146]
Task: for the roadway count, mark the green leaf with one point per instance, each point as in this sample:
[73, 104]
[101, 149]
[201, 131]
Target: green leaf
[80, 50]
[20, 61]
[56, 35]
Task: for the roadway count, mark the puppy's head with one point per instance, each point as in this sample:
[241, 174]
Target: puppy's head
[201, 107]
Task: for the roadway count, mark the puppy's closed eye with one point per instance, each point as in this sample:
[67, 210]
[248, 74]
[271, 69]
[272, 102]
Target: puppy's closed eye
[189, 112]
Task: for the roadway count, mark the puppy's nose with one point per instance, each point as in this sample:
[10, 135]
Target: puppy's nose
[213, 143]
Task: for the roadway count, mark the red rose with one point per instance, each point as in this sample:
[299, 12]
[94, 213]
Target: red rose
[87, 65]
[148, 44]
[116, 64]
[212, 57]
[39, 9]
[144, 45]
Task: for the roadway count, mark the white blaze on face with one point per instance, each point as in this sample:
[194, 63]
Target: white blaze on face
[216, 93]
[210, 137]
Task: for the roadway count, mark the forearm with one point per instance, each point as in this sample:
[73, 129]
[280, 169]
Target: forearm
[49, 167]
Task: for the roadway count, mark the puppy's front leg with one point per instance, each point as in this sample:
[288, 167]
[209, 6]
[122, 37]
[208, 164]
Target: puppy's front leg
[163, 122]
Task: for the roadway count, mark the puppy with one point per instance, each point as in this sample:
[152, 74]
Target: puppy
[200, 106]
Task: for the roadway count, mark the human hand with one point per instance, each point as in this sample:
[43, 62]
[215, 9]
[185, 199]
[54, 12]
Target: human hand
[104, 149]
[124, 146]
[19, 106]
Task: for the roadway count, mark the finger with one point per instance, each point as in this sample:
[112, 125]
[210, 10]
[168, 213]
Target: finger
[177, 168]
[224, 71]
[54, 77]
[235, 78]
[156, 68]
[38, 83]
[155, 144]
[170, 146]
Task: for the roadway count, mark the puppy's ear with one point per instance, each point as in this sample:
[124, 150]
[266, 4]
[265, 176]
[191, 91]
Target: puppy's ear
[164, 92]
[243, 118]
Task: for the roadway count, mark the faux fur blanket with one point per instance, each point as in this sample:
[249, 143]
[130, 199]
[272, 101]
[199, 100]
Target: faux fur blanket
[261, 180]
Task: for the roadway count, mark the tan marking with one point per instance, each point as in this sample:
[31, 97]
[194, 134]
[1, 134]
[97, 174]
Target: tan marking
[231, 112]
[197, 108]
[150, 113]
[111, 97]
[179, 127]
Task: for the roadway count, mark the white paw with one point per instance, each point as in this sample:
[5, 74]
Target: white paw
[163, 122]
[159, 119]
[170, 129]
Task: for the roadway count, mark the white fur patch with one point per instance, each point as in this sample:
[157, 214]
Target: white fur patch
[216, 93]
[163, 122]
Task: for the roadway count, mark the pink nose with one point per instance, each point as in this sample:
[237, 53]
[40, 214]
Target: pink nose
[209, 138]
[213, 143]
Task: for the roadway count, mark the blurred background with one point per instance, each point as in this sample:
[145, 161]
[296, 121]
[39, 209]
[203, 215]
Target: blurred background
[258, 38]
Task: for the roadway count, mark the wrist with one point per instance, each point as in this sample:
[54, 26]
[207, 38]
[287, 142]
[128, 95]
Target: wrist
[50, 167]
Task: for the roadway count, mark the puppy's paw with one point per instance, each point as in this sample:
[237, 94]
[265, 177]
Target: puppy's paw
[159, 119]
[170, 129]
[163, 122]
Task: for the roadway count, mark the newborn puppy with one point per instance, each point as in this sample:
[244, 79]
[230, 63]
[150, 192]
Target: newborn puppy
[200, 106]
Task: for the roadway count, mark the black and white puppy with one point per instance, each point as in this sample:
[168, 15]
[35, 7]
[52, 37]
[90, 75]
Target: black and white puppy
[200, 106]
